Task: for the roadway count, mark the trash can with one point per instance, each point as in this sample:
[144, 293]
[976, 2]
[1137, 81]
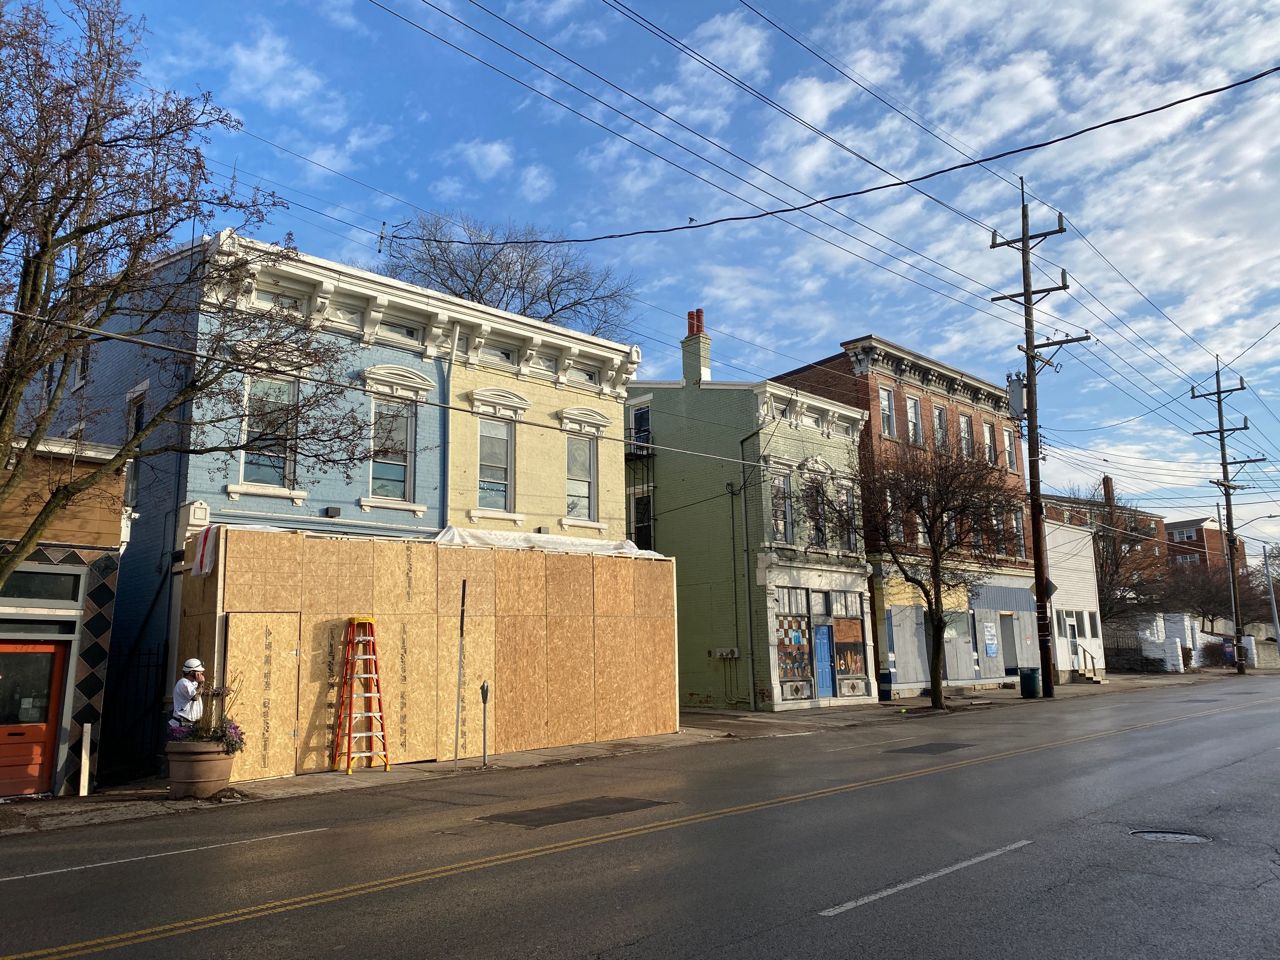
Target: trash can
[1029, 682]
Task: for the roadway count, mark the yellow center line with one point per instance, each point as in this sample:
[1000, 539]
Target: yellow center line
[256, 911]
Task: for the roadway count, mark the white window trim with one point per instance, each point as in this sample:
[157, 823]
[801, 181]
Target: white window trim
[892, 432]
[237, 490]
[410, 458]
[419, 510]
[498, 403]
[584, 420]
[404, 383]
[79, 379]
[480, 513]
[593, 507]
[567, 523]
[917, 441]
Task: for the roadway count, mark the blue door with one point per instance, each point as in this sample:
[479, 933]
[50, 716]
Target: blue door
[822, 660]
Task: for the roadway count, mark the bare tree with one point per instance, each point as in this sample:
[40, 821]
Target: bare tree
[514, 269]
[99, 180]
[1205, 591]
[946, 520]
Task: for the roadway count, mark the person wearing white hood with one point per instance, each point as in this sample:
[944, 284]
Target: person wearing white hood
[188, 708]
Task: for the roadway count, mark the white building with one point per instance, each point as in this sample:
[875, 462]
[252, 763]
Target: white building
[1077, 624]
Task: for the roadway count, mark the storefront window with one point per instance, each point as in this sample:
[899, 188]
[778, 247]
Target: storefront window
[795, 657]
[25, 681]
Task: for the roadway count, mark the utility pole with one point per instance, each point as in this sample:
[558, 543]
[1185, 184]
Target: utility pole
[1271, 593]
[1029, 297]
[1227, 485]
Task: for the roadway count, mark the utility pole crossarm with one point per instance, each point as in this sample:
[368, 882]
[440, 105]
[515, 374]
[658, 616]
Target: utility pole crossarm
[1025, 238]
[1040, 292]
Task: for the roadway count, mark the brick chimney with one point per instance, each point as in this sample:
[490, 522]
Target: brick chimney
[696, 350]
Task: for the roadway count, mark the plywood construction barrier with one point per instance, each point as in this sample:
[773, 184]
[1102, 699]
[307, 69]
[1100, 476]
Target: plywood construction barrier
[575, 648]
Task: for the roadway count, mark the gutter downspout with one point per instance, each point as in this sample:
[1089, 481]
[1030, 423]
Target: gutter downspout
[746, 565]
[444, 433]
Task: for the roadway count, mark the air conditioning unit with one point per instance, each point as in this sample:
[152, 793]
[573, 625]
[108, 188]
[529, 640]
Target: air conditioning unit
[796, 690]
[851, 688]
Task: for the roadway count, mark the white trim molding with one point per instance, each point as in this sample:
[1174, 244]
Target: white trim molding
[419, 510]
[567, 523]
[395, 381]
[584, 420]
[477, 515]
[496, 402]
[236, 490]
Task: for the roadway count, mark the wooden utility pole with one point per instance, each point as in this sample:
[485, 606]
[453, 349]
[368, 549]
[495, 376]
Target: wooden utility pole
[1029, 297]
[1227, 486]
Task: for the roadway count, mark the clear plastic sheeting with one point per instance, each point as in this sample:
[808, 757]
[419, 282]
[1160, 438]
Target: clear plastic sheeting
[455, 537]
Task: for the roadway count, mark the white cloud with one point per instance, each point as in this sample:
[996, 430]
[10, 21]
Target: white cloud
[341, 13]
[267, 73]
[345, 155]
[486, 158]
[536, 183]
[448, 189]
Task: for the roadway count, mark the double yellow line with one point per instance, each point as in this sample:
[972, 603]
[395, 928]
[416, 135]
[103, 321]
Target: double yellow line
[180, 927]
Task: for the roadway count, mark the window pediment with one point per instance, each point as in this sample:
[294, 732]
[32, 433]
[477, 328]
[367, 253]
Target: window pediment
[496, 402]
[816, 465]
[584, 420]
[397, 381]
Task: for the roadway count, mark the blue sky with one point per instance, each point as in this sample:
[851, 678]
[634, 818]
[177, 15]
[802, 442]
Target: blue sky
[1186, 204]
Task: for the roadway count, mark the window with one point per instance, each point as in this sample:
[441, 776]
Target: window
[896, 533]
[640, 432]
[546, 363]
[495, 465]
[278, 299]
[915, 429]
[966, 434]
[59, 589]
[642, 521]
[812, 420]
[347, 314]
[782, 410]
[997, 525]
[780, 490]
[268, 444]
[82, 368]
[792, 601]
[1010, 450]
[820, 603]
[940, 436]
[815, 495]
[1093, 624]
[503, 353]
[392, 441]
[584, 375]
[135, 418]
[1189, 558]
[850, 497]
[845, 604]
[401, 328]
[989, 443]
[1019, 537]
[1182, 536]
[581, 482]
[888, 425]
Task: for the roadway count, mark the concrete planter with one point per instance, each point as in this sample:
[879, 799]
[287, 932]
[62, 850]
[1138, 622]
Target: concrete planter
[197, 768]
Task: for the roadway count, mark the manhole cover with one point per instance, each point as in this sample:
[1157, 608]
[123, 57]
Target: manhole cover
[569, 812]
[939, 746]
[1169, 836]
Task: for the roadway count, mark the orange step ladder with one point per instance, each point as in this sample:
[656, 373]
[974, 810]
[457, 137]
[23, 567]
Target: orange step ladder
[361, 729]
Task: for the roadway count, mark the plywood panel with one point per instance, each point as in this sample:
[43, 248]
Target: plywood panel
[407, 667]
[478, 665]
[520, 582]
[519, 701]
[656, 650]
[197, 637]
[200, 593]
[319, 673]
[262, 572]
[262, 672]
[654, 587]
[570, 584]
[476, 566]
[570, 678]
[614, 586]
[337, 577]
[404, 577]
[619, 686]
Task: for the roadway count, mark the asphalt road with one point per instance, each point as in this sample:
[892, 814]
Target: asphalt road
[1004, 833]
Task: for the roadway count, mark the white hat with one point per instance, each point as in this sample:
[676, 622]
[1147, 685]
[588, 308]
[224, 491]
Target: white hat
[193, 666]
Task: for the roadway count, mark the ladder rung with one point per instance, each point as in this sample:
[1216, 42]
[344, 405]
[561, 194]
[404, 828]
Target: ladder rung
[368, 713]
[369, 733]
[364, 676]
[370, 753]
[365, 695]
[365, 657]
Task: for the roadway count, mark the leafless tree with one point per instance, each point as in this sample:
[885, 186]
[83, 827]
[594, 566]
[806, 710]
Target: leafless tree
[1205, 591]
[946, 520]
[100, 180]
[511, 268]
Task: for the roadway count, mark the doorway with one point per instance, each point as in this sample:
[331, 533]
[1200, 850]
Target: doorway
[1009, 643]
[822, 649]
[31, 679]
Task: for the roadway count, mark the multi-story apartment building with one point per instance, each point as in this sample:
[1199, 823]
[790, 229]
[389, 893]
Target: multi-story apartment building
[749, 486]
[913, 399]
[480, 418]
[1146, 530]
[1201, 542]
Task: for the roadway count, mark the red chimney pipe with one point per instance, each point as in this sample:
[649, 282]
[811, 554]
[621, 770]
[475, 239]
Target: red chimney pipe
[693, 323]
[701, 328]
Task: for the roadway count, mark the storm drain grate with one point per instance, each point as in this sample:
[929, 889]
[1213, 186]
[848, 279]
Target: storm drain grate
[574, 810]
[938, 746]
[1169, 836]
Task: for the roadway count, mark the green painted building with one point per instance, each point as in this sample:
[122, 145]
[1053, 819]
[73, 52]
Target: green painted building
[751, 487]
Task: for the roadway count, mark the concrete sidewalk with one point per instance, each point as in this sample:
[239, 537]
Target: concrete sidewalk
[150, 798]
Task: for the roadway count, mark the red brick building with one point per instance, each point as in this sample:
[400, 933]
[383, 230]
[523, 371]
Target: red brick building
[1201, 542]
[1147, 529]
[911, 398]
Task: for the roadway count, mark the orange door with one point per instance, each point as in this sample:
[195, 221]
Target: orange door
[31, 680]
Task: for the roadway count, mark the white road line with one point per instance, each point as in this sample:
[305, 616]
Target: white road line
[152, 856]
[833, 911]
[877, 743]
